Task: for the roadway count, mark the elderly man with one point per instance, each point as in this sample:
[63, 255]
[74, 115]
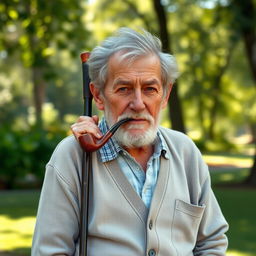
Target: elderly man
[151, 192]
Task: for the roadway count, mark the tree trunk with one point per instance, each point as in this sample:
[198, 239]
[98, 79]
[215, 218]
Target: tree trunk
[251, 179]
[249, 34]
[253, 132]
[175, 108]
[247, 19]
[38, 80]
[38, 94]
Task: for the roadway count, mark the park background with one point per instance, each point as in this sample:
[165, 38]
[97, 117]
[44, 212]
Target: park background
[213, 101]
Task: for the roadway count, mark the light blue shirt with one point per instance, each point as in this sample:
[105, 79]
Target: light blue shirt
[143, 182]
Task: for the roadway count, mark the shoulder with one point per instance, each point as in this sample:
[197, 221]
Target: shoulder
[182, 150]
[65, 164]
[68, 146]
[66, 156]
[177, 139]
[181, 146]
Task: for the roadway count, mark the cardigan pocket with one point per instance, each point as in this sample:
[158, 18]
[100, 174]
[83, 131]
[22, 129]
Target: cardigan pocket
[185, 225]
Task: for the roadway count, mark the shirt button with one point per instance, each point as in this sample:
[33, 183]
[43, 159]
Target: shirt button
[151, 252]
[150, 225]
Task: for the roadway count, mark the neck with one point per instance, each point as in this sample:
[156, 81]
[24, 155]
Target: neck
[141, 154]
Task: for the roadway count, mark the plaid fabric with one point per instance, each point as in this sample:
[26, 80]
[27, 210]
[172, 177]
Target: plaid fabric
[143, 182]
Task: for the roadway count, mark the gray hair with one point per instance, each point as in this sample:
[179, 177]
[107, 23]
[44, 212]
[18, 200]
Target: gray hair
[132, 45]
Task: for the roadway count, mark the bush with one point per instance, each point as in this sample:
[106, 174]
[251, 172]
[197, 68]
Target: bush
[25, 153]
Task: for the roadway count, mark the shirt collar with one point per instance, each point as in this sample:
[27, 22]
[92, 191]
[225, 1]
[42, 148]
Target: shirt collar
[111, 149]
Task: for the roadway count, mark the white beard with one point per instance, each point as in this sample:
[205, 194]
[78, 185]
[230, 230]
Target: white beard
[128, 140]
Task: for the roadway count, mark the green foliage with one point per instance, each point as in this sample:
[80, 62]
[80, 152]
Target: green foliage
[36, 28]
[40, 43]
[111, 15]
[34, 32]
[25, 152]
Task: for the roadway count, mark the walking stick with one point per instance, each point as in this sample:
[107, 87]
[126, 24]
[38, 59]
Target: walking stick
[89, 144]
[86, 161]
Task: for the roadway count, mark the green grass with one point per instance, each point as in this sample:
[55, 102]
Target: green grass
[17, 218]
[227, 177]
[239, 208]
[18, 211]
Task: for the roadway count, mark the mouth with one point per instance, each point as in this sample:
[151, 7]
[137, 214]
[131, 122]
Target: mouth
[136, 124]
[137, 120]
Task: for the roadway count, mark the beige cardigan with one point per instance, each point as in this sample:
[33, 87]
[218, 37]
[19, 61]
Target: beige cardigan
[184, 218]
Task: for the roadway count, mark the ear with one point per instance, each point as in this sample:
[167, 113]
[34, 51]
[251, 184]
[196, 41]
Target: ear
[97, 96]
[167, 96]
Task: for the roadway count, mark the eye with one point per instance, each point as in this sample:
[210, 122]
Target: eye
[123, 89]
[150, 89]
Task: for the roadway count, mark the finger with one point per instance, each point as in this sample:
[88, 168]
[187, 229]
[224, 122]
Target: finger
[86, 126]
[96, 119]
[83, 118]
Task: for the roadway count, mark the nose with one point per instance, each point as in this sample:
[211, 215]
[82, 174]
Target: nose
[137, 103]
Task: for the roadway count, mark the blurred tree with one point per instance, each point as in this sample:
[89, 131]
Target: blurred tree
[35, 30]
[175, 108]
[38, 40]
[65, 90]
[204, 45]
[244, 13]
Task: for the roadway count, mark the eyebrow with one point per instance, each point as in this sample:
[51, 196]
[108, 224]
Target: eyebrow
[151, 81]
[128, 82]
[122, 81]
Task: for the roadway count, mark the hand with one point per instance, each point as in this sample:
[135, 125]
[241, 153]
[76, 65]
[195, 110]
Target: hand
[86, 124]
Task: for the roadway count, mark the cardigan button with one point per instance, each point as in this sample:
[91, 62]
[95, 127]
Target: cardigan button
[151, 252]
[150, 225]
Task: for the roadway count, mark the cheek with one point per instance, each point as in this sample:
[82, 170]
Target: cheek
[120, 106]
[114, 110]
[164, 102]
[158, 105]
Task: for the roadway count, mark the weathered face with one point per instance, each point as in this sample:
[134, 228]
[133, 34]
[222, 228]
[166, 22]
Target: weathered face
[133, 89]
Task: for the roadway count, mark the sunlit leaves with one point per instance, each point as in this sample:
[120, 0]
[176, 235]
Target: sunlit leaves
[34, 31]
[111, 15]
[13, 14]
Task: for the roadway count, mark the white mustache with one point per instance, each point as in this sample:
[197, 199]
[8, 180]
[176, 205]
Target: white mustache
[145, 116]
